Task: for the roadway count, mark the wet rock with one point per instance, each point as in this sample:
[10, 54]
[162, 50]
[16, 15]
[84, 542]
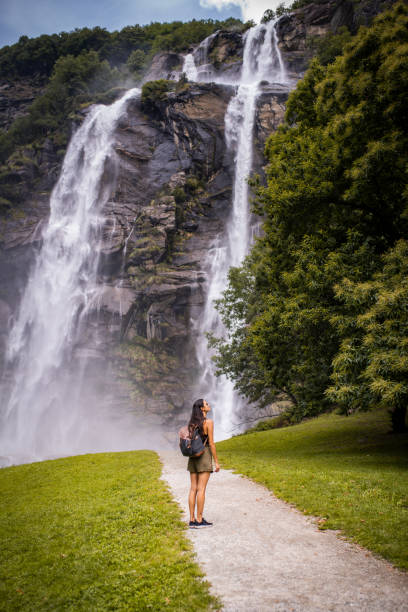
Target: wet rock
[164, 66]
[190, 226]
[177, 180]
[224, 48]
[115, 299]
[270, 113]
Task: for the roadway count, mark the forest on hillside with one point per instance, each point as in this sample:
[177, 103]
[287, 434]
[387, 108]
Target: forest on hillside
[318, 312]
[86, 66]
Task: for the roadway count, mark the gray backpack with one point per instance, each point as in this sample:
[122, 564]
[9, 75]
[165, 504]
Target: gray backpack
[191, 446]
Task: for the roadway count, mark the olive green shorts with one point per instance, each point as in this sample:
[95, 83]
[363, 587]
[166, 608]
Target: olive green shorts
[203, 463]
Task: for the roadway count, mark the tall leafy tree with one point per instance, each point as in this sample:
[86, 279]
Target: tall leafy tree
[334, 201]
[371, 367]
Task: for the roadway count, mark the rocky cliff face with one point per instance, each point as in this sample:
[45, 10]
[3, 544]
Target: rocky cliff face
[172, 198]
[297, 29]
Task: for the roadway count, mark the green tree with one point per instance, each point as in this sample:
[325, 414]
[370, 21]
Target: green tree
[37, 56]
[331, 45]
[278, 314]
[371, 367]
[75, 80]
[136, 60]
[335, 199]
[281, 9]
[268, 15]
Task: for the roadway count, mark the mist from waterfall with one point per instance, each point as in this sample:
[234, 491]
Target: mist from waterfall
[51, 409]
[262, 61]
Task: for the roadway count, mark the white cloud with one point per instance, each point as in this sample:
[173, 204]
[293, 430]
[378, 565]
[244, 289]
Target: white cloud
[250, 9]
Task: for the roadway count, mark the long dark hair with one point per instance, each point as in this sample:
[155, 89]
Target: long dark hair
[197, 418]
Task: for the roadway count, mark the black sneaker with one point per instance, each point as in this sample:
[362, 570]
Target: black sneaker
[193, 524]
[203, 523]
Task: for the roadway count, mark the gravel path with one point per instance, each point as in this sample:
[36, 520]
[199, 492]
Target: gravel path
[263, 555]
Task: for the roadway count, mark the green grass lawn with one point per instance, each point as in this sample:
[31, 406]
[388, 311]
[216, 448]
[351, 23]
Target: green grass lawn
[95, 532]
[348, 471]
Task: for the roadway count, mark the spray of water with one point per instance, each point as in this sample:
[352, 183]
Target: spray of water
[50, 410]
[262, 61]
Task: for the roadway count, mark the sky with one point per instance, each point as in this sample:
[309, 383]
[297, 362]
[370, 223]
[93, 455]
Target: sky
[35, 17]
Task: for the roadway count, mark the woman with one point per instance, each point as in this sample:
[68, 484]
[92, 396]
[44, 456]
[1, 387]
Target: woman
[201, 467]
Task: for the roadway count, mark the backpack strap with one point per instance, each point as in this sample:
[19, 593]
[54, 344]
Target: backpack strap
[206, 437]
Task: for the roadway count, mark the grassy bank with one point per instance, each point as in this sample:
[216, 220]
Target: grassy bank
[95, 532]
[348, 471]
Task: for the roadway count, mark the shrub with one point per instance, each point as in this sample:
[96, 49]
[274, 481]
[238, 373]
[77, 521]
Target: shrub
[154, 92]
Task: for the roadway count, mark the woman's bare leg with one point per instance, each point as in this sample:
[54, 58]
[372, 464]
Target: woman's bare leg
[201, 486]
[193, 494]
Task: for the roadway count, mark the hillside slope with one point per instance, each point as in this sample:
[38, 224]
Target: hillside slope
[346, 470]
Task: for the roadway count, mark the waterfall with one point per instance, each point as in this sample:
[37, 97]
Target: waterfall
[196, 66]
[50, 410]
[189, 67]
[201, 53]
[262, 61]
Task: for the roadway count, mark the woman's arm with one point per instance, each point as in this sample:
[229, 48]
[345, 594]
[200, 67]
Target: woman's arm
[211, 443]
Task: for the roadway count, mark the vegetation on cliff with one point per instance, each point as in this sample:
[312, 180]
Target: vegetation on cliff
[367, 5]
[331, 45]
[154, 92]
[318, 310]
[74, 81]
[38, 55]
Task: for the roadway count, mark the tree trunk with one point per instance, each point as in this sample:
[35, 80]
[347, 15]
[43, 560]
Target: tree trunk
[398, 416]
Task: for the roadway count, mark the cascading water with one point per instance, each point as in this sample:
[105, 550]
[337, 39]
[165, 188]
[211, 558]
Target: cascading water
[262, 61]
[46, 412]
[196, 66]
[189, 67]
